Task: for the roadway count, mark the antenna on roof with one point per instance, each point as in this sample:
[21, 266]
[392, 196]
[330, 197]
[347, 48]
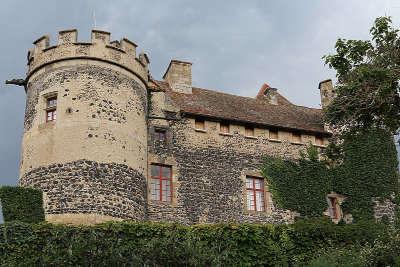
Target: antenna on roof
[94, 19]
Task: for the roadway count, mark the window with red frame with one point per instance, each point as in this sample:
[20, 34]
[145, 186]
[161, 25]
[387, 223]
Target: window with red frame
[51, 109]
[160, 135]
[255, 193]
[161, 183]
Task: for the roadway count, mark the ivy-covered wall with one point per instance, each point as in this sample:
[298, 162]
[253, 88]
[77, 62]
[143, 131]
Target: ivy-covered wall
[362, 168]
[301, 186]
[369, 170]
[22, 204]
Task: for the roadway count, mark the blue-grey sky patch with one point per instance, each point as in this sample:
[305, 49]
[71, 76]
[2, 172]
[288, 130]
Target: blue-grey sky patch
[235, 46]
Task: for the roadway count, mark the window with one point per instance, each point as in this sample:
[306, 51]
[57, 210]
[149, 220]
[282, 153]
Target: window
[51, 109]
[296, 137]
[334, 208]
[199, 124]
[161, 183]
[255, 193]
[273, 134]
[224, 127]
[249, 131]
[319, 141]
[160, 135]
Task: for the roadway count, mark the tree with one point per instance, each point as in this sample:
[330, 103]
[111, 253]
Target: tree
[368, 73]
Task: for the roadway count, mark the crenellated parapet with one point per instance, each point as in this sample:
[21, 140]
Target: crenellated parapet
[121, 53]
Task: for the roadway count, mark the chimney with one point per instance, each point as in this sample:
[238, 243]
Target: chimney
[327, 92]
[179, 76]
[268, 93]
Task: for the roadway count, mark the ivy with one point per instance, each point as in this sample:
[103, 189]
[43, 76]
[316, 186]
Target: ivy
[22, 204]
[369, 170]
[301, 186]
[362, 167]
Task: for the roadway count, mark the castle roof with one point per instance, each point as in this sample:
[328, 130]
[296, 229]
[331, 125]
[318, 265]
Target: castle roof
[258, 111]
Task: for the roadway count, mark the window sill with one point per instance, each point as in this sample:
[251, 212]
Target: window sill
[200, 130]
[275, 140]
[253, 212]
[250, 137]
[226, 134]
[159, 202]
[321, 146]
[297, 143]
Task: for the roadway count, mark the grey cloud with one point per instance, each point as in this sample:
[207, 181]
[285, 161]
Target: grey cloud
[235, 46]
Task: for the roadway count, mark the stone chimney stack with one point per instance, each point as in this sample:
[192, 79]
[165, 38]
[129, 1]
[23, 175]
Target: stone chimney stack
[179, 76]
[327, 92]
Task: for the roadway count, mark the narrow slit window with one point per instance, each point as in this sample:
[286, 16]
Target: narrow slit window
[161, 183]
[199, 124]
[334, 209]
[51, 109]
[249, 131]
[255, 193]
[224, 127]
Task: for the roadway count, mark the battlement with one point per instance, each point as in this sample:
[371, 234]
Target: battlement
[121, 53]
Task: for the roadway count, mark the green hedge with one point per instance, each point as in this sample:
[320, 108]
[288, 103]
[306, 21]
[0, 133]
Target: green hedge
[156, 244]
[22, 204]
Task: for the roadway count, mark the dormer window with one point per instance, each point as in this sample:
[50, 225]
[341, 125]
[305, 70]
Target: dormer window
[51, 108]
[224, 127]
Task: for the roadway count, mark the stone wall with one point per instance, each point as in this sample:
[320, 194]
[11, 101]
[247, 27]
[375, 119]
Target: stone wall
[91, 162]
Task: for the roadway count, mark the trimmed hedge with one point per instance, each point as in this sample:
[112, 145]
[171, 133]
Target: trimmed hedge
[160, 244]
[22, 204]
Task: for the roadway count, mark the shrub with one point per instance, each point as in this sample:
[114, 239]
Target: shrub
[22, 204]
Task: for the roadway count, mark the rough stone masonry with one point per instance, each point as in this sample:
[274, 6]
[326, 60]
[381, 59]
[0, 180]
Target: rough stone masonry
[105, 141]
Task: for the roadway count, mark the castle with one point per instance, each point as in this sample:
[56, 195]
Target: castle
[105, 141]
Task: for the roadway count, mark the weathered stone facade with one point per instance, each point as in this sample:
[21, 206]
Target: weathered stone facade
[93, 162]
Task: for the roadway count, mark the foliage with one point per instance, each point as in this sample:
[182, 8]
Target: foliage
[368, 75]
[160, 244]
[301, 186]
[364, 167]
[22, 204]
[368, 169]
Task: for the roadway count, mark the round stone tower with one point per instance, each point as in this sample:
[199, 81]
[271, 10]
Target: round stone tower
[85, 134]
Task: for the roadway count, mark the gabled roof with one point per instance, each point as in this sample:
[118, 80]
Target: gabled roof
[258, 111]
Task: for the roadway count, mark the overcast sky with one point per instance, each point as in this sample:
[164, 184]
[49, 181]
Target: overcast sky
[235, 46]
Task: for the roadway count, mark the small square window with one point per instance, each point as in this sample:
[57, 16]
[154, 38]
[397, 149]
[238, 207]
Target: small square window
[51, 109]
[296, 137]
[224, 127]
[199, 124]
[255, 193]
[273, 134]
[249, 131]
[160, 135]
[319, 140]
